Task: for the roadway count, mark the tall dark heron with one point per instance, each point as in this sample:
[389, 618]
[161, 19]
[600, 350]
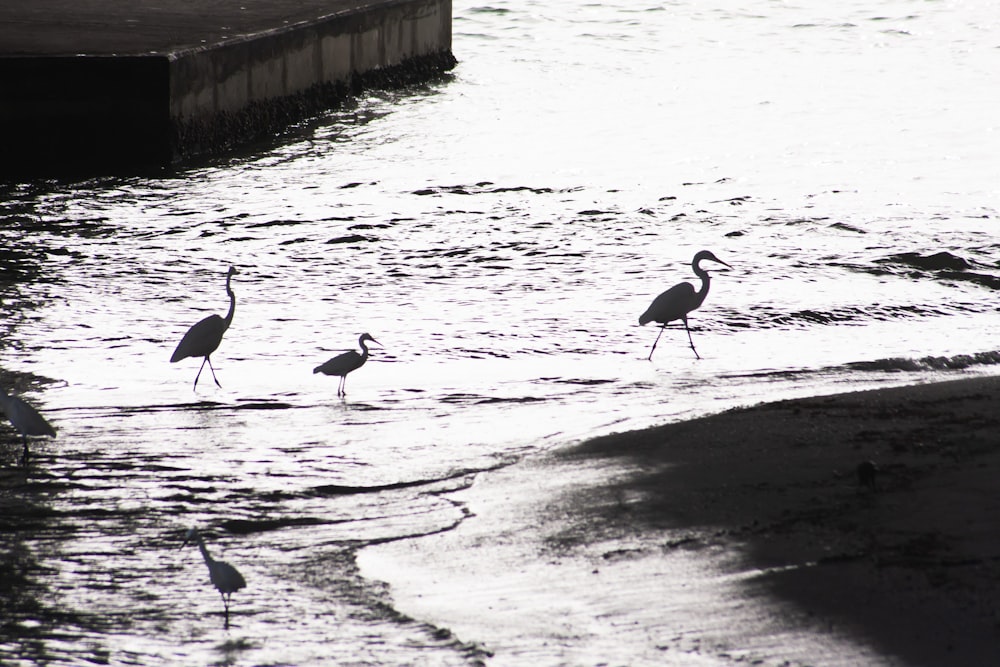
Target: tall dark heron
[679, 300]
[203, 338]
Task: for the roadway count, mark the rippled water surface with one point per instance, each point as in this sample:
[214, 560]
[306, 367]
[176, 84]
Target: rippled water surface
[498, 230]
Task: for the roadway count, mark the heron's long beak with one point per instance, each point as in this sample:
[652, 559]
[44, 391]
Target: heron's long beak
[723, 263]
[377, 343]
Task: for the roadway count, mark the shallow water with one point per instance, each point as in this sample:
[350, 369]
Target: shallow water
[499, 231]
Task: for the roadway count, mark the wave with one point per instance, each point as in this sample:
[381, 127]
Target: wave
[930, 363]
[937, 262]
[769, 318]
[478, 399]
[940, 265]
[483, 187]
[888, 365]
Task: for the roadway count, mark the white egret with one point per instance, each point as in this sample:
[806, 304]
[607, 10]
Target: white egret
[679, 300]
[25, 419]
[344, 363]
[223, 576]
[203, 338]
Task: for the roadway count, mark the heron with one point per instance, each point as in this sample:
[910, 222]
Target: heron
[203, 338]
[342, 364]
[679, 300]
[25, 419]
[223, 576]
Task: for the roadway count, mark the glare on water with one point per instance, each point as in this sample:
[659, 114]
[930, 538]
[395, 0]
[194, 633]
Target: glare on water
[498, 230]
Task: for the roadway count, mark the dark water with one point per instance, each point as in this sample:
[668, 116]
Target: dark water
[498, 230]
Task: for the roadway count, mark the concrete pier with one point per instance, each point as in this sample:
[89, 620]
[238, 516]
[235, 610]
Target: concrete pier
[99, 86]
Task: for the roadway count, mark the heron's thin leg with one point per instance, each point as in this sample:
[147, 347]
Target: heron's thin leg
[209, 360]
[199, 373]
[690, 340]
[650, 357]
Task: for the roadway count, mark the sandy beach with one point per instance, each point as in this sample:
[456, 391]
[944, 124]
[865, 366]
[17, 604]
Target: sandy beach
[754, 536]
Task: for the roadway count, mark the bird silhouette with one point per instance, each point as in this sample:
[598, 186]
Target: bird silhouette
[867, 471]
[679, 300]
[223, 576]
[342, 364]
[25, 419]
[203, 338]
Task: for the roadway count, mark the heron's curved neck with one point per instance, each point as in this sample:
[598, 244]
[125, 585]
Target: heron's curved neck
[705, 281]
[204, 550]
[232, 302]
[364, 348]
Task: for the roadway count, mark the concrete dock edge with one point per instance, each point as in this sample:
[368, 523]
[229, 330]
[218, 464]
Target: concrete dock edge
[131, 112]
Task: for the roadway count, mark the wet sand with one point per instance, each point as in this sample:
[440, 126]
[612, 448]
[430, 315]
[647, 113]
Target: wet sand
[744, 536]
[911, 561]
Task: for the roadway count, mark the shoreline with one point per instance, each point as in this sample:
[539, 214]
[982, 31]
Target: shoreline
[744, 535]
[911, 563]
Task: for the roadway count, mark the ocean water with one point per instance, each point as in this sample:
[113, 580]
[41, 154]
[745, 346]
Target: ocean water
[498, 230]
